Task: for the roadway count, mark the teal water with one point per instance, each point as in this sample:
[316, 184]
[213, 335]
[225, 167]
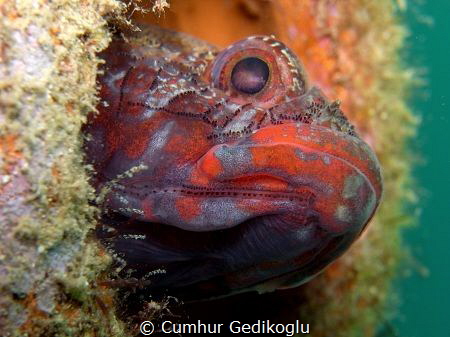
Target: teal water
[425, 299]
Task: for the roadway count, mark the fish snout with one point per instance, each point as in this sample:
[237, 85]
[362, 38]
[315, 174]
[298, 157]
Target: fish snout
[288, 168]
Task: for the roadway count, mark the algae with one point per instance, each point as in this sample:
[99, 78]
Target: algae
[48, 262]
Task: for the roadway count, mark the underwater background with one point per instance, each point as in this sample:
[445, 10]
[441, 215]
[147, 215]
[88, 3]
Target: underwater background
[422, 291]
[423, 287]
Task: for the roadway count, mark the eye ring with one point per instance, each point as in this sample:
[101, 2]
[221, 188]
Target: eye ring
[232, 71]
[250, 75]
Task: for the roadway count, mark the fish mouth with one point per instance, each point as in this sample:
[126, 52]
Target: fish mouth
[171, 257]
[262, 254]
[339, 170]
[279, 170]
[268, 211]
[202, 209]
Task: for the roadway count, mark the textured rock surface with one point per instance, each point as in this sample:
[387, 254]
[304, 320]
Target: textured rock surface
[48, 264]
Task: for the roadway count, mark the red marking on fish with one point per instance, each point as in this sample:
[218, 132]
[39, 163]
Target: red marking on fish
[236, 173]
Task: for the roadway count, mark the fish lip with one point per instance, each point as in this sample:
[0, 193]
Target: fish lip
[217, 192]
[337, 135]
[348, 181]
[280, 202]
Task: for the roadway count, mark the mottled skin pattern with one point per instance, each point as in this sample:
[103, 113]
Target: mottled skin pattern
[226, 177]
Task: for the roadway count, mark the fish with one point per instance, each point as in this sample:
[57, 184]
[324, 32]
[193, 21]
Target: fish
[222, 171]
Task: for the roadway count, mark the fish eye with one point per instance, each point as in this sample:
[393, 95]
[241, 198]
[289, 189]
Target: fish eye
[250, 75]
[258, 70]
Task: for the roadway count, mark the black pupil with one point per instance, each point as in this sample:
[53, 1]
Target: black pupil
[250, 75]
